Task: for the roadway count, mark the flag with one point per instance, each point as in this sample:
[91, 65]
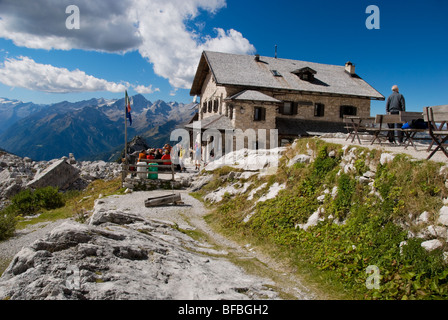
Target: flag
[128, 108]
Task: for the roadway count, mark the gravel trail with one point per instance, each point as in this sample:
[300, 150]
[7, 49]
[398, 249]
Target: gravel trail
[188, 217]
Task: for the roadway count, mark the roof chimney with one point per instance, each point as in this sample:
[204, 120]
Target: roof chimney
[257, 57]
[350, 68]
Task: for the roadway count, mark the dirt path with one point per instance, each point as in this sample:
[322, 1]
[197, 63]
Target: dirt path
[190, 217]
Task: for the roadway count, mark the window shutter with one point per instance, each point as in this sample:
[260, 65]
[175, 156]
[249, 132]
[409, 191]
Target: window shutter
[263, 114]
[319, 110]
[215, 105]
[280, 109]
[294, 108]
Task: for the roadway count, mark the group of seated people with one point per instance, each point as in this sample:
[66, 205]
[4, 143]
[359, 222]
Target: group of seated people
[158, 154]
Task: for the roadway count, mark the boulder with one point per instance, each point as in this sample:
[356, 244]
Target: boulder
[300, 158]
[60, 174]
[312, 220]
[423, 218]
[71, 158]
[386, 158]
[431, 245]
[248, 159]
[443, 216]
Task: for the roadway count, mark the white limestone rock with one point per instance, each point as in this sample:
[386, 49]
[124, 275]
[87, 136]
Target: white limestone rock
[443, 216]
[431, 245]
[386, 158]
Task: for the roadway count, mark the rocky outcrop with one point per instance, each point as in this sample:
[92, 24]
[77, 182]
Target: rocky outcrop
[18, 173]
[60, 174]
[120, 256]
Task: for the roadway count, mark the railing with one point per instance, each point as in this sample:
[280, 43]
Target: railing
[126, 170]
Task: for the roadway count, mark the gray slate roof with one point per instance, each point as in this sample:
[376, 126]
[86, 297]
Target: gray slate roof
[243, 70]
[252, 95]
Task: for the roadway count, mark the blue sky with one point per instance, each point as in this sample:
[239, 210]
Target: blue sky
[153, 46]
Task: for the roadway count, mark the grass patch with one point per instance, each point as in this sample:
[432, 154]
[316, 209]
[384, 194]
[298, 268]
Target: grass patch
[76, 203]
[363, 225]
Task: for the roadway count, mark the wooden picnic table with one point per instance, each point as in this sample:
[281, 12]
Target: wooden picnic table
[403, 117]
[355, 125]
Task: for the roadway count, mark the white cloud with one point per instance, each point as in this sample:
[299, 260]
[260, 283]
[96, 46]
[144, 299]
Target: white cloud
[145, 90]
[161, 30]
[104, 25]
[174, 50]
[24, 72]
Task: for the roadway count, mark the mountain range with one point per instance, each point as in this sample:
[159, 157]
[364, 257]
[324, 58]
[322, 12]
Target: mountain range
[91, 129]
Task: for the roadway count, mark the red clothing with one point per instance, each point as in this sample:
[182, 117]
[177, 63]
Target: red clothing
[149, 157]
[166, 157]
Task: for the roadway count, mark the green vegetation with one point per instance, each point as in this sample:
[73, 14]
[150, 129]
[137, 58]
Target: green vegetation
[26, 203]
[49, 204]
[361, 226]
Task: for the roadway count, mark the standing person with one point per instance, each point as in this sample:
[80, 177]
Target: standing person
[181, 158]
[395, 103]
[197, 156]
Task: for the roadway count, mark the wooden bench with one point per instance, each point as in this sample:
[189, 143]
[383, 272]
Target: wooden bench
[382, 122]
[159, 164]
[436, 117]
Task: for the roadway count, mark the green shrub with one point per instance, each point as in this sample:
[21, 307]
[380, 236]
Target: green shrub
[24, 203]
[8, 223]
[342, 203]
[49, 198]
[28, 202]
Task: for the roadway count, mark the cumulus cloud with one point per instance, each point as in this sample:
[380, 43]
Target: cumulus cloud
[104, 25]
[161, 30]
[171, 47]
[24, 72]
[145, 90]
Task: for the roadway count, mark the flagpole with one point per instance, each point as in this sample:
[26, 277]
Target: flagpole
[125, 130]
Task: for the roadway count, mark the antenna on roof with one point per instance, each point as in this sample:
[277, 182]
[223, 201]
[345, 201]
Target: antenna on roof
[275, 51]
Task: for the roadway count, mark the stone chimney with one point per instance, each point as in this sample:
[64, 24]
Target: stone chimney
[350, 68]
